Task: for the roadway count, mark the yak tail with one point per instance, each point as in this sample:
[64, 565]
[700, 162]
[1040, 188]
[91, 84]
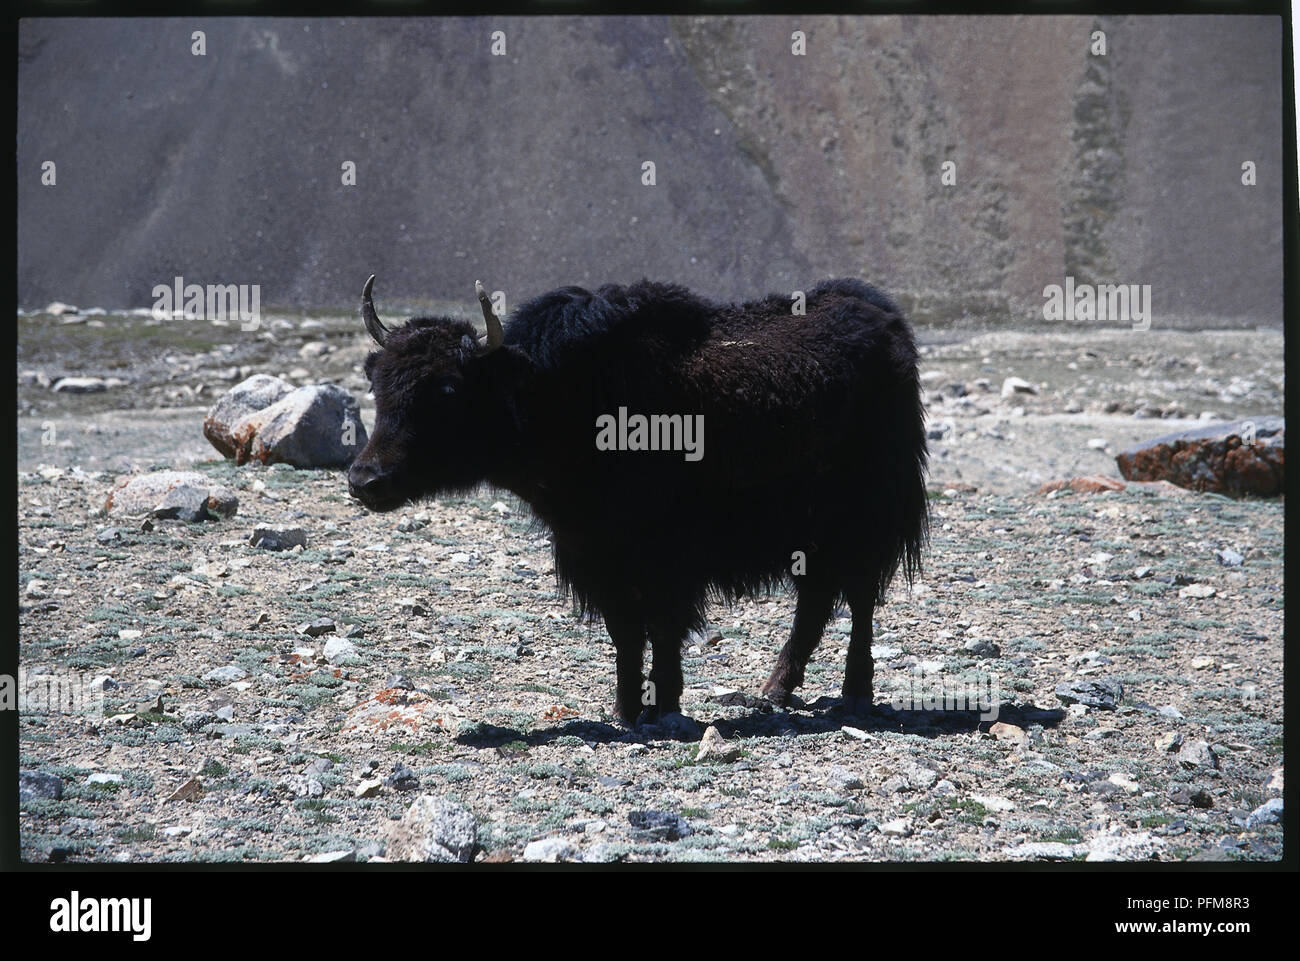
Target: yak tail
[909, 464]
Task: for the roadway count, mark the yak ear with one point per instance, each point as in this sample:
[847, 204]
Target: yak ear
[468, 343]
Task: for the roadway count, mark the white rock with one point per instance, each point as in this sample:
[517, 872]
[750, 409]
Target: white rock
[552, 850]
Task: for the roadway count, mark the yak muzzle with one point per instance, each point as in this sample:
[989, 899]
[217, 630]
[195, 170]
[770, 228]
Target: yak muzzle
[375, 488]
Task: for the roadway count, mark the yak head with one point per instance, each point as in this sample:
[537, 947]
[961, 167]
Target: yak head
[444, 400]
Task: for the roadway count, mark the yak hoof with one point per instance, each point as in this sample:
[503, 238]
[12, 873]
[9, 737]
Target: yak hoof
[777, 694]
[856, 706]
[671, 721]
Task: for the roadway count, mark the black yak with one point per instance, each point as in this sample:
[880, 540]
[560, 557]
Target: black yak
[677, 450]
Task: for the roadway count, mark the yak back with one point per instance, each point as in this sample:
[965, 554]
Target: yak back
[813, 435]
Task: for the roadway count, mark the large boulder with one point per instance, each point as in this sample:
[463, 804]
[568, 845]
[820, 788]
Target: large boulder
[247, 397]
[172, 493]
[316, 426]
[1221, 458]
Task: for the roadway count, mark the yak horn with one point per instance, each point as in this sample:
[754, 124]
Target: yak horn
[373, 326]
[495, 335]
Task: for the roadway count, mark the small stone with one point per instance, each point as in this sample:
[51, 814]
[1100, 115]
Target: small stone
[1196, 591]
[434, 830]
[144, 493]
[316, 628]
[231, 672]
[551, 850]
[1008, 732]
[658, 826]
[1124, 782]
[331, 857]
[1170, 711]
[368, 788]
[37, 589]
[1043, 851]
[982, 648]
[278, 538]
[855, 734]
[1270, 812]
[187, 791]
[38, 786]
[783, 760]
[1202, 663]
[897, 828]
[80, 385]
[1228, 557]
[994, 803]
[1197, 754]
[1101, 693]
[402, 779]
[715, 747]
[842, 779]
[1140, 846]
[410, 606]
[178, 831]
[183, 503]
[1017, 385]
[1274, 784]
[1169, 741]
[338, 649]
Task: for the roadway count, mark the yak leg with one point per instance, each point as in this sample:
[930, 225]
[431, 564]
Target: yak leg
[665, 691]
[812, 611]
[628, 634]
[859, 670]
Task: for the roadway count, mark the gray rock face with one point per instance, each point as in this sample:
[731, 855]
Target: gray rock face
[1056, 187]
[247, 397]
[434, 829]
[144, 493]
[317, 426]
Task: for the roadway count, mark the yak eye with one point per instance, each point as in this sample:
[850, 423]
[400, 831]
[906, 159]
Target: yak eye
[449, 388]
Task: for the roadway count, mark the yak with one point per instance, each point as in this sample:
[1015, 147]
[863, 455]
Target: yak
[678, 451]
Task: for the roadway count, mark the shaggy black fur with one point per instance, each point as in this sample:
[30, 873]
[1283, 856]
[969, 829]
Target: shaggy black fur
[814, 448]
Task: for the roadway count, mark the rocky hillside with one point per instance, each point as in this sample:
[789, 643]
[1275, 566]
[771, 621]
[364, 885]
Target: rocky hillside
[771, 170]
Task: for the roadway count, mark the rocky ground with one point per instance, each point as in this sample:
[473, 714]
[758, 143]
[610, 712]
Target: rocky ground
[268, 705]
